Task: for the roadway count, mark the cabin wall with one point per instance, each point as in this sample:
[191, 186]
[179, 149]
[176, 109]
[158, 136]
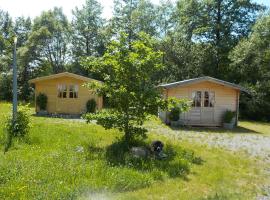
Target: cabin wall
[225, 99]
[66, 105]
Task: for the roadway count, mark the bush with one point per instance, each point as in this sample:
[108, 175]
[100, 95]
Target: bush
[6, 86]
[42, 100]
[228, 116]
[18, 127]
[91, 106]
[174, 114]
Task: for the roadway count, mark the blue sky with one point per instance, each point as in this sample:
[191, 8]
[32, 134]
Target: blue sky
[266, 2]
[33, 8]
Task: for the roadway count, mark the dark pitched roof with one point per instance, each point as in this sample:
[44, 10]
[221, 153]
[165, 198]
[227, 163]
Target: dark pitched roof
[201, 79]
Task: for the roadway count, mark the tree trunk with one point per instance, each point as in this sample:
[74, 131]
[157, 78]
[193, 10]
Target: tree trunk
[126, 128]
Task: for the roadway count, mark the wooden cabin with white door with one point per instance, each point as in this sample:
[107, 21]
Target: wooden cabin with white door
[210, 98]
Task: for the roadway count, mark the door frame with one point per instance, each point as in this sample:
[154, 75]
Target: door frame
[201, 109]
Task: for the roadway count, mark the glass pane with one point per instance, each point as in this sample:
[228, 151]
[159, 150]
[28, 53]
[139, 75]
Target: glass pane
[64, 91]
[64, 88]
[71, 88]
[71, 91]
[193, 95]
[206, 99]
[76, 88]
[59, 90]
[198, 98]
[70, 94]
[212, 99]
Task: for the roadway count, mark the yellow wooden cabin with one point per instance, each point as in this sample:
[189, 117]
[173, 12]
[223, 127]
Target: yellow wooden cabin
[66, 93]
[210, 98]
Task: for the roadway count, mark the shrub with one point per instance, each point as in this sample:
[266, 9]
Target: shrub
[174, 114]
[18, 127]
[6, 86]
[42, 100]
[228, 116]
[91, 106]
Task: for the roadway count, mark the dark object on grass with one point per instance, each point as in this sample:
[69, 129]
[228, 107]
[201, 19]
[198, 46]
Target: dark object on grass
[156, 149]
[157, 146]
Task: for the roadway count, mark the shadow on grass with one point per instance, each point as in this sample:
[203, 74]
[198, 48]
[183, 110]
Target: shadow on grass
[59, 116]
[177, 163]
[236, 130]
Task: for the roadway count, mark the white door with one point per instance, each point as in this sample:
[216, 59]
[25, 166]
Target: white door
[207, 109]
[202, 111]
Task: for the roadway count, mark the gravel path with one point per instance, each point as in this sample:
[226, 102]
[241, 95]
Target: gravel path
[255, 145]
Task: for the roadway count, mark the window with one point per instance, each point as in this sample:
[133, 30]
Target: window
[62, 91]
[196, 97]
[73, 91]
[211, 99]
[208, 99]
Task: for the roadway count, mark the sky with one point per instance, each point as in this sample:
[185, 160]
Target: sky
[33, 8]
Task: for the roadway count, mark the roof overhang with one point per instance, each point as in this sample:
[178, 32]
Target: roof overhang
[202, 79]
[60, 75]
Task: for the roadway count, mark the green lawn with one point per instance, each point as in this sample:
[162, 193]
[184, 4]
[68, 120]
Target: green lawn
[50, 164]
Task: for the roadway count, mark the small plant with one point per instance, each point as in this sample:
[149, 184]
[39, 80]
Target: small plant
[228, 116]
[174, 114]
[91, 106]
[18, 127]
[42, 100]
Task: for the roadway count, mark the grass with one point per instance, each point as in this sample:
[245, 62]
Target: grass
[66, 159]
[257, 127]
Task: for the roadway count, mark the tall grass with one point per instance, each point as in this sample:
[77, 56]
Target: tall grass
[65, 159]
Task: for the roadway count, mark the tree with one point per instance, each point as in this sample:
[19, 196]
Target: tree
[6, 41]
[251, 66]
[183, 59]
[22, 29]
[6, 49]
[220, 23]
[88, 38]
[132, 17]
[87, 25]
[128, 70]
[51, 34]
[165, 18]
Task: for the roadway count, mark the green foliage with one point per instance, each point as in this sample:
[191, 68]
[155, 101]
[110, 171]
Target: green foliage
[18, 127]
[49, 40]
[250, 64]
[176, 107]
[207, 37]
[51, 157]
[133, 17]
[128, 70]
[88, 37]
[42, 101]
[220, 24]
[177, 163]
[91, 106]
[174, 114]
[5, 86]
[228, 116]
[183, 105]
